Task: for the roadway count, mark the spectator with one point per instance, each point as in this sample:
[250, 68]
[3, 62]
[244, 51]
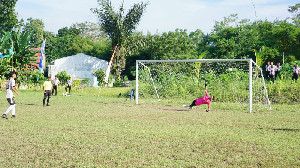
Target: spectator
[277, 71]
[272, 69]
[296, 71]
[267, 70]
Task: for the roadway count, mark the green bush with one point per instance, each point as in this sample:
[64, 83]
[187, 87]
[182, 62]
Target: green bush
[63, 77]
[118, 82]
[35, 76]
[99, 74]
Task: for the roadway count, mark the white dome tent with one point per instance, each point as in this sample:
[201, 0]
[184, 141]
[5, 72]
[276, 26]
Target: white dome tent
[78, 66]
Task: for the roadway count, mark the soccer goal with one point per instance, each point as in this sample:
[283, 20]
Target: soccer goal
[236, 82]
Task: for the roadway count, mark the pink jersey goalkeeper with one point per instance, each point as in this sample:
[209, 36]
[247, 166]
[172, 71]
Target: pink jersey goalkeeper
[203, 100]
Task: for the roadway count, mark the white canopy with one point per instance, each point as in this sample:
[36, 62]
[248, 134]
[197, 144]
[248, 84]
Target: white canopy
[79, 66]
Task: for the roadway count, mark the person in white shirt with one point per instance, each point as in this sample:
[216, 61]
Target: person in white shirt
[267, 70]
[69, 85]
[272, 69]
[55, 83]
[277, 71]
[10, 88]
[296, 72]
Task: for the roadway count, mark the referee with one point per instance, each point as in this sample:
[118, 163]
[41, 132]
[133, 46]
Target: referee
[47, 87]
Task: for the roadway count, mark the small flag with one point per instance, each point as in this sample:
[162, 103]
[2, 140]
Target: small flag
[41, 59]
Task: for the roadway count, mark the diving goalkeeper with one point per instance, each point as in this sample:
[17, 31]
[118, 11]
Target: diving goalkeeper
[203, 100]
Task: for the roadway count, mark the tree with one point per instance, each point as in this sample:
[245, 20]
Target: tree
[91, 31]
[8, 16]
[23, 55]
[37, 25]
[119, 26]
[295, 10]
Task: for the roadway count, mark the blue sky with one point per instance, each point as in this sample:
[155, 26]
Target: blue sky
[160, 16]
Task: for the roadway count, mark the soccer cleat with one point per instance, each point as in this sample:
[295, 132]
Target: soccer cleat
[4, 116]
[188, 106]
[48, 104]
[13, 116]
[43, 105]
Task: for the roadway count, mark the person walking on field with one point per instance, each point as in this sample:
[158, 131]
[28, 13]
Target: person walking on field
[69, 85]
[10, 88]
[47, 88]
[55, 85]
[203, 100]
[296, 72]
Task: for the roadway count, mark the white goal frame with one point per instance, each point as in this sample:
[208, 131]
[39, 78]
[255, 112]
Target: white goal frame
[250, 61]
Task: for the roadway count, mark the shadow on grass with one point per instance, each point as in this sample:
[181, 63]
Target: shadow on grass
[30, 104]
[286, 129]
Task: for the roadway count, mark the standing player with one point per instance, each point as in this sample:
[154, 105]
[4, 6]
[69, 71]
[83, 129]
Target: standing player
[203, 100]
[47, 88]
[272, 69]
[55, 84]
[10, 88]
[277, 71]
[69, 85]
[296, 72]
[268, 70]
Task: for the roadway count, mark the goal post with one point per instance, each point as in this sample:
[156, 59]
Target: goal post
[153, 74]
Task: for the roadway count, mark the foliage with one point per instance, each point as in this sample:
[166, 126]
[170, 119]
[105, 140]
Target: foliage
[119, 26]
[99, 74]
[8, 16]
[295, 10]
[63, 77]
[37, 26]
[118, 81]
[77, 39]
[23, 54]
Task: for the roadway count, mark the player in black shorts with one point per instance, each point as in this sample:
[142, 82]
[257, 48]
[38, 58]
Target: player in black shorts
[47, 88]
[69, 85]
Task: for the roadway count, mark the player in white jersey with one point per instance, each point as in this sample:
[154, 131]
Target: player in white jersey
[268, 70]
[69, 85]
[55, 83]
[10, 88]
[296, 72]
[272, 69]
[277, 71]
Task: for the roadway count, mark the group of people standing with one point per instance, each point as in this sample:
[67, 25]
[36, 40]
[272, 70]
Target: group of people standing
[49, 87]
[273, 71]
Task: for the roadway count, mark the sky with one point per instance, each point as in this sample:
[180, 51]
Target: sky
[160, 15]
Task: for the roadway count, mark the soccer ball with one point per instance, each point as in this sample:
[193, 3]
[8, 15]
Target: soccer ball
[229, 69]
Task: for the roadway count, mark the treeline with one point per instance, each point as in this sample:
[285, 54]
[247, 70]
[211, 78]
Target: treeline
[261, 40]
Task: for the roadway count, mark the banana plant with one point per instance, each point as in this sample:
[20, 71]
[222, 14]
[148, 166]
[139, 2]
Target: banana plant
[23, 49]
[23, 52]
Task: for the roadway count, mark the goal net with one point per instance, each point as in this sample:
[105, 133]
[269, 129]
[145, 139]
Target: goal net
[235, 82]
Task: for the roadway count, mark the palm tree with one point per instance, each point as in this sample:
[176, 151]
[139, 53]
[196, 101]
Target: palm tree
[119, 26]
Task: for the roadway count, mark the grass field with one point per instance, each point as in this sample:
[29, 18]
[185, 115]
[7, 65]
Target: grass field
[96, 128]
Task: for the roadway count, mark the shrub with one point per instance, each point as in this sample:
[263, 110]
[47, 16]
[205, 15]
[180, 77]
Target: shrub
[35, 76]
[99, 74]
[63, 77]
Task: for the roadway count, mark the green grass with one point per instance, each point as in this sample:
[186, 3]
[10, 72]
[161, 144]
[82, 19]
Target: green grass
[96, 128]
